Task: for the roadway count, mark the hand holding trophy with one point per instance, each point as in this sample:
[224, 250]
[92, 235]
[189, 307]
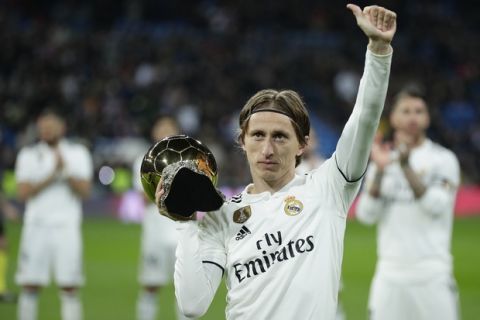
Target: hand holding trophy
[188, 174]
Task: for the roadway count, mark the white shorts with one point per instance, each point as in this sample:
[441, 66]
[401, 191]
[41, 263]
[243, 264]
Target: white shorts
[158, 245]
[50, 249]
[436, 299]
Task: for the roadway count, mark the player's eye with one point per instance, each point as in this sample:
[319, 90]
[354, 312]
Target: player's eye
[257, 134]
[280, 137]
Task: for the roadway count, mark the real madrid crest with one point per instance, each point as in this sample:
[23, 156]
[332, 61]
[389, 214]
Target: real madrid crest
[293, 206]
[243, 214]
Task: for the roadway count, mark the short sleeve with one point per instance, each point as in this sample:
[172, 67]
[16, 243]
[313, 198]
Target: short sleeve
[448, 171]
[440, 195]
[82, 166]
[23, 167]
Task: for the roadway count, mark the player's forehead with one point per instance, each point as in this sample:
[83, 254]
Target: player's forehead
[409, 102]
[270, 121]
[50, 119]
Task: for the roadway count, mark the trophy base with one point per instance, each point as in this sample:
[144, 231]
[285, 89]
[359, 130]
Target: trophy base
[191, 192]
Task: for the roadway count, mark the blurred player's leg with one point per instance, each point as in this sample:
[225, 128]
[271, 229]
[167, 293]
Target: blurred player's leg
[147, 306]
[34, 261]
[68, 270]
[388, 301]
[71, 305]
[437, 299]
[158, 244]
[28, 305]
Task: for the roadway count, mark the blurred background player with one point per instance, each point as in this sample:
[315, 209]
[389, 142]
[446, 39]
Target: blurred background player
[7, 210]
[311, 158]
[53, 176]
[410, 193]
[159, 237]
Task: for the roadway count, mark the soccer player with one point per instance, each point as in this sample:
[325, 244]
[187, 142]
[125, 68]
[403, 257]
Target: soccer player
[410, 194]
[311, 159]
[159, 237]
[53, 177]
[280, 242]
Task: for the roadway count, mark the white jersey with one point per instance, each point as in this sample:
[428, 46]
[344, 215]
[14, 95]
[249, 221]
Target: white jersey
[282, 252]
[57, 204]
[287, 246]
[414, 235]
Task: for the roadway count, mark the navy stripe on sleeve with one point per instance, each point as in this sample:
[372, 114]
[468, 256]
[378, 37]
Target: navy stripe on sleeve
[345, 177]
[214, 263]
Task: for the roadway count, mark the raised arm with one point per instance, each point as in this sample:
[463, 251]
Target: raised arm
[353, 149]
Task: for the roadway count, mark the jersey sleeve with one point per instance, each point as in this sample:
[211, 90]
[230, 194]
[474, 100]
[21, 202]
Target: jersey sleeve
[200, 264]
[82, 166]
[23, 168]
[329, 181]
[440, 195]
[369, 209]
[212, 234]
[353, 148]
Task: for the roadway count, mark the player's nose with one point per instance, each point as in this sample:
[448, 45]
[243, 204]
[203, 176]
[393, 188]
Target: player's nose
[267, 148]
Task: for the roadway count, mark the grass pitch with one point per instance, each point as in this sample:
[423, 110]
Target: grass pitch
[111, 261]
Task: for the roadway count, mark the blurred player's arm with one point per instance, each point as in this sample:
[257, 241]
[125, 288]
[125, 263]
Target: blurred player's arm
[413, 179]
[371, 205]
[381, 157]
[79, 174]
[435, 197]
[379, 25]
[27, 189]
[81, 187]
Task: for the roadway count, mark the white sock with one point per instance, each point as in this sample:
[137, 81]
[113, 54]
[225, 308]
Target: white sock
[147, 306]
[71, 306]
[27, 305]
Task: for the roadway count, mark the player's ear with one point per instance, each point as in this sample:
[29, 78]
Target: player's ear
[241, 143]
[303, 146]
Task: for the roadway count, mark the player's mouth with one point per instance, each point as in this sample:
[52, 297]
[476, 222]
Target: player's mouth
[267, 164]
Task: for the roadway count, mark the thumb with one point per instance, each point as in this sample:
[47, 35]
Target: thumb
[357, 12]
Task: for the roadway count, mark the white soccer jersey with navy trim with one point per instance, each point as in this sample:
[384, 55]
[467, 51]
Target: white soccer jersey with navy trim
[283, 252]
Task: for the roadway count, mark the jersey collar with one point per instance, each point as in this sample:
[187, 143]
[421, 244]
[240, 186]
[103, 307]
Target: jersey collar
[249, 197]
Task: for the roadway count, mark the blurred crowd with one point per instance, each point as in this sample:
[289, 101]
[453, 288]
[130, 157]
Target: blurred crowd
[113, 66]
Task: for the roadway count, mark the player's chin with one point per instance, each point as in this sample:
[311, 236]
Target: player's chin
[268, 175]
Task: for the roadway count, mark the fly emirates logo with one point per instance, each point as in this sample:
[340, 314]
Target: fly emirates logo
[290, 250]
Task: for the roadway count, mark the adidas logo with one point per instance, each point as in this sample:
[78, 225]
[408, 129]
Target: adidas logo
[242, 233]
